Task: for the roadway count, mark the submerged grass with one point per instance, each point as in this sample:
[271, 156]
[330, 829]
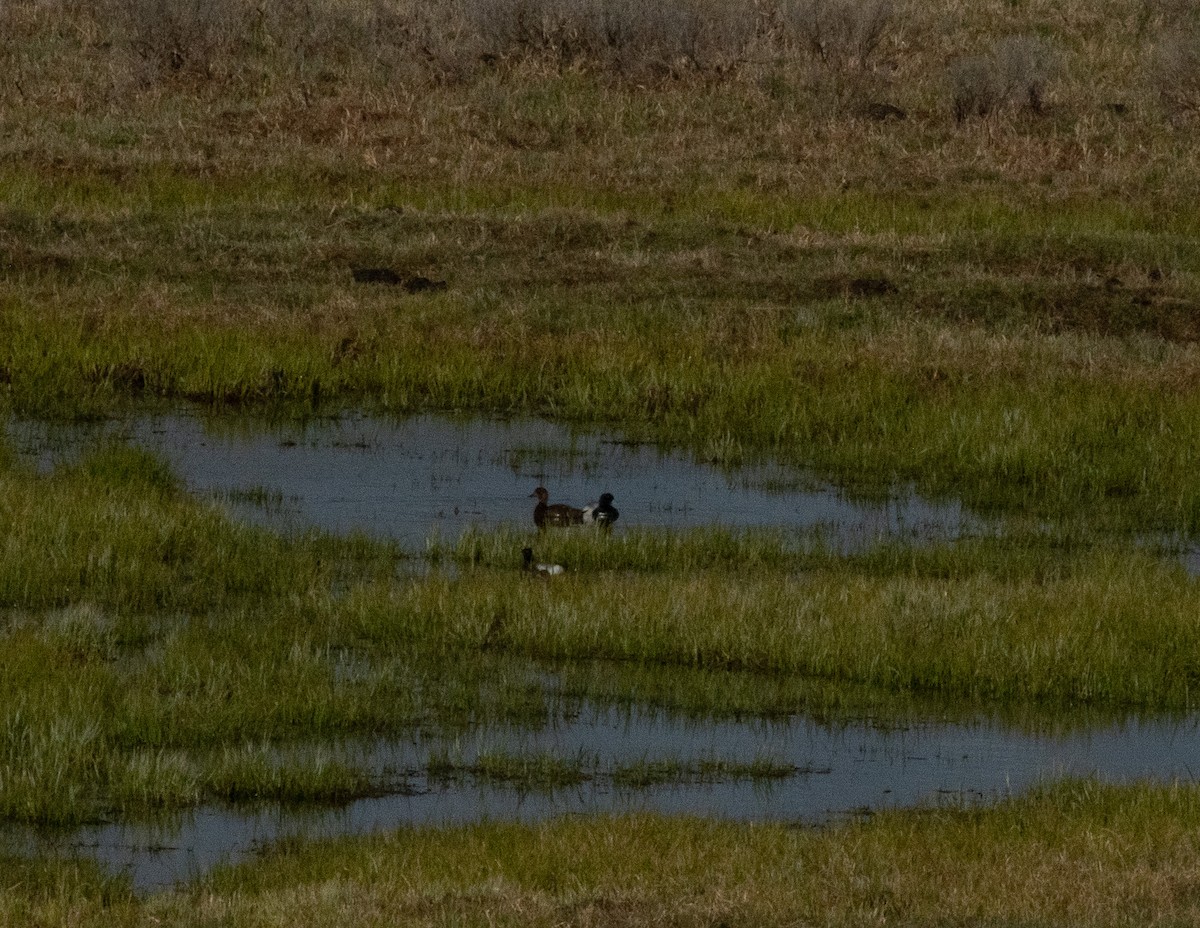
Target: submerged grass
[537, 771]
[543, 771]
[706, 770]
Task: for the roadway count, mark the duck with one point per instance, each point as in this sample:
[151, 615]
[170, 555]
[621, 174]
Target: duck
[539, 570]
[602, 513]
[559, 514]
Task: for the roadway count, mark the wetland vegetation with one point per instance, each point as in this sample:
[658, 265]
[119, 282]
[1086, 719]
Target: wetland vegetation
[943, 245]
[1076, 853]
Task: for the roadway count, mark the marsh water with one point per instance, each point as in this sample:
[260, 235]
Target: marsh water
[431, 476]
[841, 770]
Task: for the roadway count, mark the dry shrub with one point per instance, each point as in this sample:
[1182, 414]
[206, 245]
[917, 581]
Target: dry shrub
[1171, 12]
[628, 35]
[192, 36]
[840, 39]
[1014, 74]
[304, 38]
[841, 34]
[1175, 70]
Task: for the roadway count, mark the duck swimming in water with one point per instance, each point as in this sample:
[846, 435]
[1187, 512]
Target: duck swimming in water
[539, 570]
[602, 513]
[558, 514]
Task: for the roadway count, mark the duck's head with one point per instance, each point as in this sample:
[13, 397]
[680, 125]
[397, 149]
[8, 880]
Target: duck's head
[606, 499]
[527, 556]
[541, 493]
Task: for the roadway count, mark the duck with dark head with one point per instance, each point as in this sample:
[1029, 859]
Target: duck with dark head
[602, 513]
[545, 514]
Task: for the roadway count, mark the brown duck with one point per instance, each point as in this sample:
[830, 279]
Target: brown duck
[559, 514]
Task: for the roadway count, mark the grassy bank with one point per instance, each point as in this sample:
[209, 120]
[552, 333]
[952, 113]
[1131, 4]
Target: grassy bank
[1073, 854]
[1060, 426]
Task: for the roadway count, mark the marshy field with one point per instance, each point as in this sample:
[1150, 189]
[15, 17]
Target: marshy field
[879, 318]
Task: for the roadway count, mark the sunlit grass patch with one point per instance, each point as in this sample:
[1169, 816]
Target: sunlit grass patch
[257, 773]
[117, 531]
[1078, 852]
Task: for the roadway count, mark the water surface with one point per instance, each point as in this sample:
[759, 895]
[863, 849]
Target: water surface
[426, 476]
[843, 770]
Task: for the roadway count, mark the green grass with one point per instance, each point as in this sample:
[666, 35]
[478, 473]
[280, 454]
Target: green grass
[1076, 853]
[315, 775]
[1062, 426]
[538, 771]
[1085, 638]
[116, 531]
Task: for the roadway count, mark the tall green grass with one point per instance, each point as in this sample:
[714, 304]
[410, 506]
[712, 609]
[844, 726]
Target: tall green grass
[118, 532]
[1089, 637]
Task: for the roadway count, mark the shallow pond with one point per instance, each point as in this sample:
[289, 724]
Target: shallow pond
[432, 475]
[842, 770]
